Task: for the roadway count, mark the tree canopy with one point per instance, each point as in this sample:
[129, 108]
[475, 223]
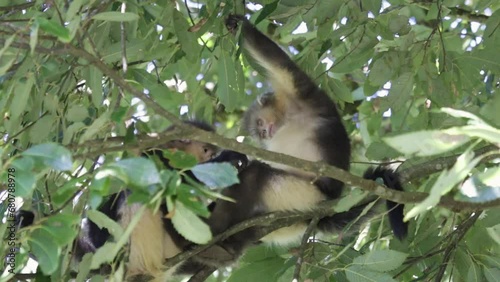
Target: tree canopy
[84, 85]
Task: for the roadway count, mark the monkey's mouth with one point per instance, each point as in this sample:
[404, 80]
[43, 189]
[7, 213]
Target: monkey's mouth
[271, 130]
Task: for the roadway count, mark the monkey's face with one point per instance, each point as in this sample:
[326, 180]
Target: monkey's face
[202, 151]
[263, 118]
[265, 123]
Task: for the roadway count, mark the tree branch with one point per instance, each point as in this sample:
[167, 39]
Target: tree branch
[427, 168]
[303, 245]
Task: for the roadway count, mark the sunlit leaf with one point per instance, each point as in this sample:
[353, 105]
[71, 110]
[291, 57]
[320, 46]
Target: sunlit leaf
[51, 154]
[140, 172]
[357, 273]
[216, 174]
[381, 260]
[445, 182]
[189, 225]
[116, 17]
[54, 28]
[426, 143]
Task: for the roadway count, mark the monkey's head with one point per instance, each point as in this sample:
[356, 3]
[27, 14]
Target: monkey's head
[264, 117]
[202, 151]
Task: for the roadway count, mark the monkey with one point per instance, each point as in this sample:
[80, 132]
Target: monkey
[300, 120]
[154, 239]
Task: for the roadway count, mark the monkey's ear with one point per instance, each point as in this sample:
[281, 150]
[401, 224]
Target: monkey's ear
[265, 99]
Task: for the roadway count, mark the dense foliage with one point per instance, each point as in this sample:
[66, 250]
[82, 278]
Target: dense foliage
[82, 82]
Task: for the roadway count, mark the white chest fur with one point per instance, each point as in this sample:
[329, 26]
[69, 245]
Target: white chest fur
[296, 138]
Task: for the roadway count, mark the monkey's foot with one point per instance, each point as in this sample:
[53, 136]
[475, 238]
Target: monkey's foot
[232, 22]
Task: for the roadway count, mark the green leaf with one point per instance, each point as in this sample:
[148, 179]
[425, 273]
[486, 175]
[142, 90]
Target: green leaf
[84, 267]
[477, 191]
[400, 93]
[380, 72]
[104, 254]
[227, 89]
[51, 154]
[103, 221]
[99, 124]
[462, 261]
[381, 260]
[72, 131]
[491, 274]
[474, 274]
[482, 131]
[116, 17]
[399, 24]
[54, 28]
[42, 129]
[350, 200]
[33, 36]
[378, 150]
[77, 113]
[358, 273]
[266, 11]
[25, 182]
[427, 142]
[192, 201]
[73, 9]
[179, 159]
[372, 6]
[216, 175]
[189, 225]
[494, 233]
[141, 172]
[45, 250]
[263, 271]
[22, 93]
[24, 177]
[48, 239]
[339, 90]
[188, 40]
[95, 84]
[445, 182]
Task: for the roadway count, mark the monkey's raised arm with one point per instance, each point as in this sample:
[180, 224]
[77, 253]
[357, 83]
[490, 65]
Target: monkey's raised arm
[286, 78]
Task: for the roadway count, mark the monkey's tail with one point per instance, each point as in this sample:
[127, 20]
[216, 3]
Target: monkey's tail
[24, 218]
[396, 211]
[355, 216]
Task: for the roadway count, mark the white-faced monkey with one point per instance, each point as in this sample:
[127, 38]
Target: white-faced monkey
[300, 120]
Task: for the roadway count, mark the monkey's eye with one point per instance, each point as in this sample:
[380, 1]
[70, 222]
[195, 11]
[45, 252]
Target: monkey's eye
[205, 150]
[259, 122]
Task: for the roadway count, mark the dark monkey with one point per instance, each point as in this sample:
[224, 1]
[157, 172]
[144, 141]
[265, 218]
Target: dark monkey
[154, 238]
[298, 119]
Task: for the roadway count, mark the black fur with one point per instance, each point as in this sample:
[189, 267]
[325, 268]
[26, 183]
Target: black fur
[92, 237]
[329, 137]
[24, 218]
[396, 211]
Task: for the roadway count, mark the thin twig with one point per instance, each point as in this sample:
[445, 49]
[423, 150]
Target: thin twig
[459, 234]
[123, 39]
[303, 245]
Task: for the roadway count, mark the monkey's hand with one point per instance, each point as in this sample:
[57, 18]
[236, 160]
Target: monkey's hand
[233, 21]
[238, 160]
